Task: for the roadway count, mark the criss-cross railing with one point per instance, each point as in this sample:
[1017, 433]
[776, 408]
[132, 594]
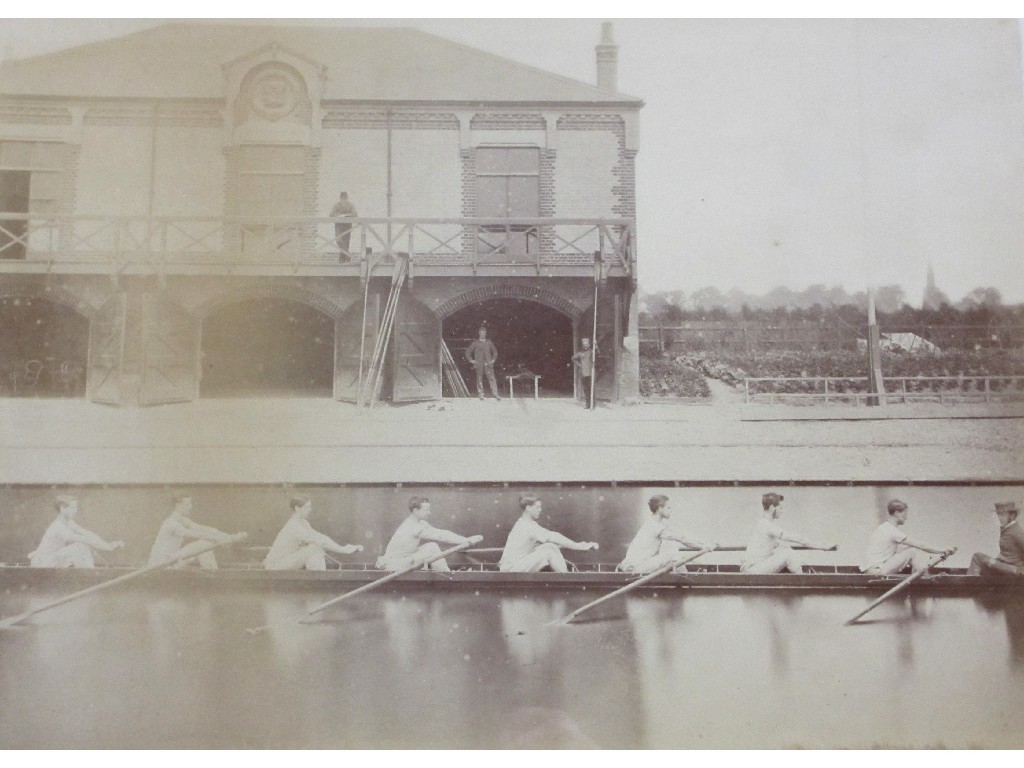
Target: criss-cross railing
[164, 242]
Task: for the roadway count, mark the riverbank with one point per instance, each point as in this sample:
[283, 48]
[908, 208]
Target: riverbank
[316, 441]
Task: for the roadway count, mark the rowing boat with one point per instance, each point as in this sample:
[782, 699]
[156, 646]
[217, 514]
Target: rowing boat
[591, 577]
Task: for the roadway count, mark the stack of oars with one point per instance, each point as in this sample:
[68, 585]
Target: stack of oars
[452, 375]
[374, 378]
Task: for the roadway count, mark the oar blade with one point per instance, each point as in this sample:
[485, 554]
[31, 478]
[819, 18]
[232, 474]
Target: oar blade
[13, 621]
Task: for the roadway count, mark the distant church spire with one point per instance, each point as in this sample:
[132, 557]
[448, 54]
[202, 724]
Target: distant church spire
[933, 298]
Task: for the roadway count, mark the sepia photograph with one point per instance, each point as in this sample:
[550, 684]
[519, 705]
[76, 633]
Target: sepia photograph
[511, 384]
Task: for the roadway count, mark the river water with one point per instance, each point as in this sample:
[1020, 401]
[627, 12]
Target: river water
[147, 667]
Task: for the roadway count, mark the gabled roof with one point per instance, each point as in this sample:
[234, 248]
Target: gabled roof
[185, 60]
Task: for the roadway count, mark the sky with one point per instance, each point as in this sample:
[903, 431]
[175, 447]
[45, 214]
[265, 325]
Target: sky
[784, 152]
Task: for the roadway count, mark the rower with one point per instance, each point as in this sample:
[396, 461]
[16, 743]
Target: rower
[1010, 560]
[655, 544]
[889, 549]
[407, 547]
[66, 544]
[531, 548]
[170, 539]
[299, 546]
[767, 551]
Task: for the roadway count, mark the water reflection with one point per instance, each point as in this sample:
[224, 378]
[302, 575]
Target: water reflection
[1010, 609]
[462, 670]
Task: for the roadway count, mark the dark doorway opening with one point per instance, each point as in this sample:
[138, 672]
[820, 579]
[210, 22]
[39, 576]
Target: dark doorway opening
[43, 348]
[530, 337]
[267, 348]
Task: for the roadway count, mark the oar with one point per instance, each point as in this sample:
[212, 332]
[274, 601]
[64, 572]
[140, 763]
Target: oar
[10, 622]
[632, 585]
[899, 587]
[362, 589]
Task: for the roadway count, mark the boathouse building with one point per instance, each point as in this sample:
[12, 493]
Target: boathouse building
[166, 228]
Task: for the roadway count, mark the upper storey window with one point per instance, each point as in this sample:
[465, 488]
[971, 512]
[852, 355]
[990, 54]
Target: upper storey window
[508, 182]
[31, 178]
[508, 187]
[271, 181]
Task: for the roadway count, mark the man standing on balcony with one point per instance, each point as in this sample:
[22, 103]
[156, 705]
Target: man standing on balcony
[584, 361]
[482, 354]
[343, 232]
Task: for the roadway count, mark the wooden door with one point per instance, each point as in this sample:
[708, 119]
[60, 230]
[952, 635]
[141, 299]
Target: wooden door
[170, 353]
[348, 351]
[417, 353]
[106, 352]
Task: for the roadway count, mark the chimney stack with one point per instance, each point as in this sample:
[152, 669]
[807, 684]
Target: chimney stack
[607, 60]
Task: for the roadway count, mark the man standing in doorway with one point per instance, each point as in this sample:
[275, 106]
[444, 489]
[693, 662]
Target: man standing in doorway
[584, 362]
[482, 354]
[343, 232]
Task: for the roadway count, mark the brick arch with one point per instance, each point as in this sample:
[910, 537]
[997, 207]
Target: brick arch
[54, 295]
[527, 292]
[271, 291]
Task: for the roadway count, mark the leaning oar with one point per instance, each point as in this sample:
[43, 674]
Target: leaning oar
[632, 585]
[10, 622]
[362, 589]
[898, 588]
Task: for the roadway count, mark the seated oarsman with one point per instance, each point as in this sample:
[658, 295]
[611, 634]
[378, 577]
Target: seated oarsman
[889, 549]
[66, 544]
[1010, 560]
[416, 541]
[768, 550]
[299, 546]
[655, 544]
[531, 547]
[170, 539]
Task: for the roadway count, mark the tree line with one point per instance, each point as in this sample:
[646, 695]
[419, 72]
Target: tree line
[819, 303]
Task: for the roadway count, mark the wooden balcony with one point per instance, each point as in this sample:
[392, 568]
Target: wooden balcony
[171, 245]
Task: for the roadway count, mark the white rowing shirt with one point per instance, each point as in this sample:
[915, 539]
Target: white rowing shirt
[884, 543]
[169, 540]
[295, 534]
[406, 540]
[764, 541]
[57, 536]
[524, 537]
[646, 544]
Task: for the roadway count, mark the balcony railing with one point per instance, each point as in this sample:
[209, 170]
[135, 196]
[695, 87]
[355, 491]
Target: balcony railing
[167, 242]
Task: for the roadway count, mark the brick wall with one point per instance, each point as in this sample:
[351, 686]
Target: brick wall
[589, 155]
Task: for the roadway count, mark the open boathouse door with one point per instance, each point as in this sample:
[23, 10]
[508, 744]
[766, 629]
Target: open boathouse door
[170, 353]
[417, 353]
[348, 373]
[106, 345]
[609, 340]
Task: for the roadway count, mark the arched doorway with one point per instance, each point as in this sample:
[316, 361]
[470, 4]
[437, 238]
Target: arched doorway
[43, 348]
[530, 337]
[267, 347]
